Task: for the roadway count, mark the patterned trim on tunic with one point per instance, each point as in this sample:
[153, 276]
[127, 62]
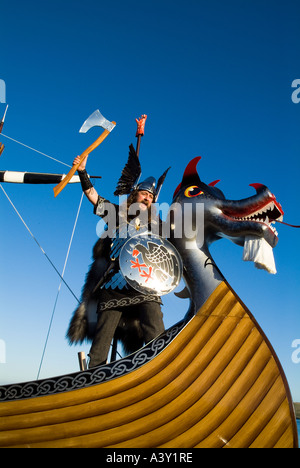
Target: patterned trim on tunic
[127, 301]
[100, 207]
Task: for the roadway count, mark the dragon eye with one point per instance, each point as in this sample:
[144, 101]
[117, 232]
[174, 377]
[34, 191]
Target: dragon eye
[193, 191]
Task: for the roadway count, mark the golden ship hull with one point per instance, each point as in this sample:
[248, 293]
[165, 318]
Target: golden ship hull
[217, 383]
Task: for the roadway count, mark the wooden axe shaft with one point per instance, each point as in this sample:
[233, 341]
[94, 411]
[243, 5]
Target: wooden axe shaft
[58, 188]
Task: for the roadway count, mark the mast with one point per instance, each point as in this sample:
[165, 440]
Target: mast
[1, 128]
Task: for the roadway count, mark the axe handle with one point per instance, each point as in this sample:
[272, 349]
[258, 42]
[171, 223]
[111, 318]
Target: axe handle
[58, 188]
[138, 145]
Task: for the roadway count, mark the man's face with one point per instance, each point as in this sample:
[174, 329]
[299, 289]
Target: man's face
[144, 199]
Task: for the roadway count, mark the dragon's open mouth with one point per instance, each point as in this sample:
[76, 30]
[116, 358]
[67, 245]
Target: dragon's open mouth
[265, 212]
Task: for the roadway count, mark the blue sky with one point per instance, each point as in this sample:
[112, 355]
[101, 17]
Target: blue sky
[215, 80]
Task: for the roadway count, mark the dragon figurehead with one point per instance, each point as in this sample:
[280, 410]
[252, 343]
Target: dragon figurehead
[246, 222]
[234, 219]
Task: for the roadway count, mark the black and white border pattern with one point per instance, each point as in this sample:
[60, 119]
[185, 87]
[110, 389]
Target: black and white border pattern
[94, 376]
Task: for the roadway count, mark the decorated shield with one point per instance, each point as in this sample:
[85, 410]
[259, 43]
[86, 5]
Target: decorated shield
[150, 264]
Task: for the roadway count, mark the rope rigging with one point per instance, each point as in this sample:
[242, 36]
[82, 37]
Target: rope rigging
[36, 151]
[61, 275]
[37, 242]
[59, 287]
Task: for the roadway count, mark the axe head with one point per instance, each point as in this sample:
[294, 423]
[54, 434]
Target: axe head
[97, 120]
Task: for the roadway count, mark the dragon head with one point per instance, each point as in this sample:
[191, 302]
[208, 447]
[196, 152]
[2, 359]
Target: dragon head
[233, 219]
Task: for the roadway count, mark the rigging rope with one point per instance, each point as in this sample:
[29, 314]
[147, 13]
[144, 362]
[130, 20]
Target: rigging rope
[59, 287]
[41, 248]
[37, 242]
[37, 151]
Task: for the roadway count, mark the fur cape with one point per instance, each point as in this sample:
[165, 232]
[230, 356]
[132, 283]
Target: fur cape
[83, 323]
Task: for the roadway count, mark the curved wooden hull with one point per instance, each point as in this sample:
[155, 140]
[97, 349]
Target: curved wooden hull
[217, 384]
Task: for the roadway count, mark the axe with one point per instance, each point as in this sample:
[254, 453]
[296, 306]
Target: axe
[94, 120]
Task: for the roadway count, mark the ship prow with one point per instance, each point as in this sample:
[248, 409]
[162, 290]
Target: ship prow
[213, 381]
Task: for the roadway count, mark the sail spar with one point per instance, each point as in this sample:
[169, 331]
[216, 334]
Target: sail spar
[33, 178]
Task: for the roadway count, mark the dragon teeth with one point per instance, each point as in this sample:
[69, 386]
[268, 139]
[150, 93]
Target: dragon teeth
[256, 216]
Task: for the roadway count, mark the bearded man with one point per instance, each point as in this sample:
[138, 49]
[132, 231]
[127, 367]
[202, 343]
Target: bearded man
[117, 301]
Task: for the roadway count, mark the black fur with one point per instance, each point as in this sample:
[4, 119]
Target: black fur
[84, 319]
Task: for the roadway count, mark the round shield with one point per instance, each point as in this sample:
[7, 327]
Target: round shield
[150, 264]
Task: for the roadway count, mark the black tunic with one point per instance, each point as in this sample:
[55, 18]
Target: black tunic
[114, 292]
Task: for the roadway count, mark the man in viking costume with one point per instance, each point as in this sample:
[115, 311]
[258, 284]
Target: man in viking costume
[133, 317]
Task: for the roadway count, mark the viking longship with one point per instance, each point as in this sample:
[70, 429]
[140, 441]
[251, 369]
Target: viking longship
[211, 380]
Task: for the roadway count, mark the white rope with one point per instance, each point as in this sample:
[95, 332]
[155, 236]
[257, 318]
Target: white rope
[53, 266]
[37, 242]
[33, 149]
[59, 287]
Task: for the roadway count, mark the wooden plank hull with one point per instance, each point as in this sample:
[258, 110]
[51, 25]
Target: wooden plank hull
[218, 383]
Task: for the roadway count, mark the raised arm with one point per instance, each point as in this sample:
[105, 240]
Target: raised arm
[87, 186]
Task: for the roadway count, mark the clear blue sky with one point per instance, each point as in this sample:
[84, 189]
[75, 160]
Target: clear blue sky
[214, 78]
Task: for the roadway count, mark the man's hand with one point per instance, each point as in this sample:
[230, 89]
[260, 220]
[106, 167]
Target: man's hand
[91, 193]
[82, 165]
